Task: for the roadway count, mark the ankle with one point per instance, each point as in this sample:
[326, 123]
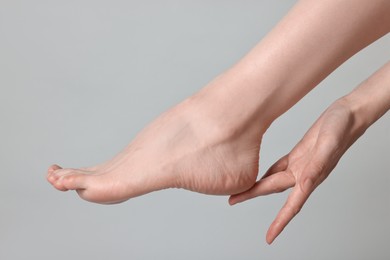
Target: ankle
[238, 101]
[224, 115]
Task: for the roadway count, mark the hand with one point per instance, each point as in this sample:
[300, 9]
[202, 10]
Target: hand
[307, 165]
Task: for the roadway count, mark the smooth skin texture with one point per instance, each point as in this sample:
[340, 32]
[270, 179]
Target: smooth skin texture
[317, 154]
[210, 142]
[183, 148]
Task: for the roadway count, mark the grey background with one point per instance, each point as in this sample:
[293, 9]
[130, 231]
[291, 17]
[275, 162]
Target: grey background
[79, 79]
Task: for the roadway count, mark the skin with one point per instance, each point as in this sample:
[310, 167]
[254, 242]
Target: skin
[317, 154]
[210, 142]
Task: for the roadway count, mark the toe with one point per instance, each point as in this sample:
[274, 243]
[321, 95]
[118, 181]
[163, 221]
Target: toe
[53, 168]
[50, 173]
[59, 185]
[67, 179]
[75, 181]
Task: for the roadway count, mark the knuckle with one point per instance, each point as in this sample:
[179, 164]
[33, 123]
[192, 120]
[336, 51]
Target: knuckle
[295, 209]
[278, 189]
[275, 187]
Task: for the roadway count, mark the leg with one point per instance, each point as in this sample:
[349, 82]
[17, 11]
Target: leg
[210, 142]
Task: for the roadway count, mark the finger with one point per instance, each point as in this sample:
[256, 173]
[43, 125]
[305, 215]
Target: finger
[280, 165]
[275, 183]
[291, 208]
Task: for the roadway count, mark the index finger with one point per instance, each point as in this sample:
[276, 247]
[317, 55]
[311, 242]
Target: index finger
[291, 208]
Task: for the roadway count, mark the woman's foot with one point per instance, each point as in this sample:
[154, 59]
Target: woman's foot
[204, 144]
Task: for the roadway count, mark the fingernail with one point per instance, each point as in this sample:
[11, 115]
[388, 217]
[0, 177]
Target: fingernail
[231, 202]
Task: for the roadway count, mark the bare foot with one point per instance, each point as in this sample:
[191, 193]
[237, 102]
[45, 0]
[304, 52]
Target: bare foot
[204, 144]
